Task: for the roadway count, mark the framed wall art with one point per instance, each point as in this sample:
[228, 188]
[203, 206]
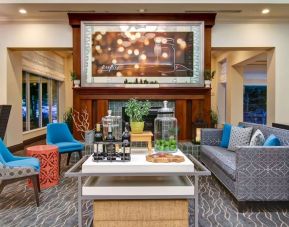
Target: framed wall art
[169, 53]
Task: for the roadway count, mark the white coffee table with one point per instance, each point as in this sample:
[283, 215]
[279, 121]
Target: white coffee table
[137, 179]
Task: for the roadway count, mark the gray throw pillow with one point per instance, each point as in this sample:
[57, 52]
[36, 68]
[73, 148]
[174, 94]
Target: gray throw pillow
[239, 137]
[257, 139]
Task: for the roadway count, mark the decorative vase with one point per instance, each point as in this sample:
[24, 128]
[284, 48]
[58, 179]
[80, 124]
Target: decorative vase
[137, 127]
[89, 137]
[207, 83]
[76, 83]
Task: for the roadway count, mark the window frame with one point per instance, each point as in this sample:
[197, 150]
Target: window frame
[27, 74]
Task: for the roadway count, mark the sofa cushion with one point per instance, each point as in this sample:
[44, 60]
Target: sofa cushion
[226, 135]
[257, 139]
[272, 140]
[281, 134]
[225, 159]
[239, 137]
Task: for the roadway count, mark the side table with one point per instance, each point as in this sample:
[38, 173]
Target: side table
[49, 166]
[143, 137]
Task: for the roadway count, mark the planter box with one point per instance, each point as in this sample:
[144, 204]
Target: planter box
[141, 85]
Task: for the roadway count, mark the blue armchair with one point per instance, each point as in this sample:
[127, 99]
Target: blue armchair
[59, 135]
[15, 168]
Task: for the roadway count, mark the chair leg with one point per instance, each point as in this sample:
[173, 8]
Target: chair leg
[35, 186]
[38, 183]
[80, 154]
[68, 158]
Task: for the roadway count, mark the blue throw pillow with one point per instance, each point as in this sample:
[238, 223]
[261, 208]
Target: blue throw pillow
[226, 135]
[272, 140]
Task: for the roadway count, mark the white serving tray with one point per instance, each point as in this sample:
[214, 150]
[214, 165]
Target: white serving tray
[138, 164]
[144, 186]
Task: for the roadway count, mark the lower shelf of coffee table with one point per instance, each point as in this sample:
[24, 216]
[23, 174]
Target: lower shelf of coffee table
[138, 187]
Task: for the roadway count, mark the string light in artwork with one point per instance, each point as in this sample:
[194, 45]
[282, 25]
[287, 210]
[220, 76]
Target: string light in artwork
[114, 61]
[182, 43]
[143, 57]
[179, 41]
[120, 49]
[146, 42]
[119, 41]
[99, 37]
[137, 35]
[132, 37]
[158, 40]
[165, 55]
[129, 51]
[164, 41]
[136, 52]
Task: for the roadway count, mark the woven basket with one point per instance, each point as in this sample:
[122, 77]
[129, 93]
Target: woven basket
[141, 213]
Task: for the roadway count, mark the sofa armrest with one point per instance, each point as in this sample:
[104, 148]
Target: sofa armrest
[262, 173]
[211, 136]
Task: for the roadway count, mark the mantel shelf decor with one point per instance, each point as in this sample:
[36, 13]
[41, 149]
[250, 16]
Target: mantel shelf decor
[170, 52]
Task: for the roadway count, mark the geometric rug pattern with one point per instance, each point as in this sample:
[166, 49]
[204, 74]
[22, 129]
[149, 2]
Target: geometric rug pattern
[58, 207]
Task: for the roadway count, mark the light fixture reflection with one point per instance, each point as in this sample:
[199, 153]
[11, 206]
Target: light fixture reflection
[265, 11]
[22, 11]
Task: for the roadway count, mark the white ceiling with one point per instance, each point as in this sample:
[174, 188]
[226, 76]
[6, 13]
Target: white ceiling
[225, 12]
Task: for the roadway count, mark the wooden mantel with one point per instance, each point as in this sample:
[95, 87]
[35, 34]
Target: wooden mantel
[191, 103]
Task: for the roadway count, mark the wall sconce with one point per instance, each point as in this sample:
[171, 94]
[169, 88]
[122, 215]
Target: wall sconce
[196, 130]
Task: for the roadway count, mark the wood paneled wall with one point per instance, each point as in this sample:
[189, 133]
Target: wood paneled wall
[191, 103]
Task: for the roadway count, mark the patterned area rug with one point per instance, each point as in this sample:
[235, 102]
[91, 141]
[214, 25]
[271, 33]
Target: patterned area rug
[58, 207]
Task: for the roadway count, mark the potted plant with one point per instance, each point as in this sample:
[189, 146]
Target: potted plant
[76, 82]
[214, 119]
[67, 118]
[136, 110]
[208, 76]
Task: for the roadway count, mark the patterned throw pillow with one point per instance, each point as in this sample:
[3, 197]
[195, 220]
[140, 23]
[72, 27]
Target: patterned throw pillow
[257, 139]
[239, 137]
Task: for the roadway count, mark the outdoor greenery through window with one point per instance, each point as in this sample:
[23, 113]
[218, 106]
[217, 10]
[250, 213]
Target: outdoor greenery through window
[39, 101]
[255, 104]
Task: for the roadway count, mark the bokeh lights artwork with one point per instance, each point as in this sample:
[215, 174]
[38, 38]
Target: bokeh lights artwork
[167, 52]
[162, 54]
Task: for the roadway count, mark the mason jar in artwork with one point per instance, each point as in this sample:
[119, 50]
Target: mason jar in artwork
[166, 130]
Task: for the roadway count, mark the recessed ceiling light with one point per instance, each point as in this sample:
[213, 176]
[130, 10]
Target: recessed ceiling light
[142, 10]
[22, 11]
[265, 11]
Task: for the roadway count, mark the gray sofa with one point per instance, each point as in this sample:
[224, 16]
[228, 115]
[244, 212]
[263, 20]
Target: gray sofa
[250, 173]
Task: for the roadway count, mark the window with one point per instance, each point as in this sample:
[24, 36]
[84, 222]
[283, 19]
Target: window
[39, 101]
[255, 104]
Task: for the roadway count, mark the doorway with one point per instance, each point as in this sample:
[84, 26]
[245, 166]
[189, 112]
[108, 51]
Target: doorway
[241, 85]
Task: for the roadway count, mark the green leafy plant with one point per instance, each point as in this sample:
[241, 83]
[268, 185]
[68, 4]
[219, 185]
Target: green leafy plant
[73, 76]
[209, 75]
[68, 119]
[136, 110]
[214, 118]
